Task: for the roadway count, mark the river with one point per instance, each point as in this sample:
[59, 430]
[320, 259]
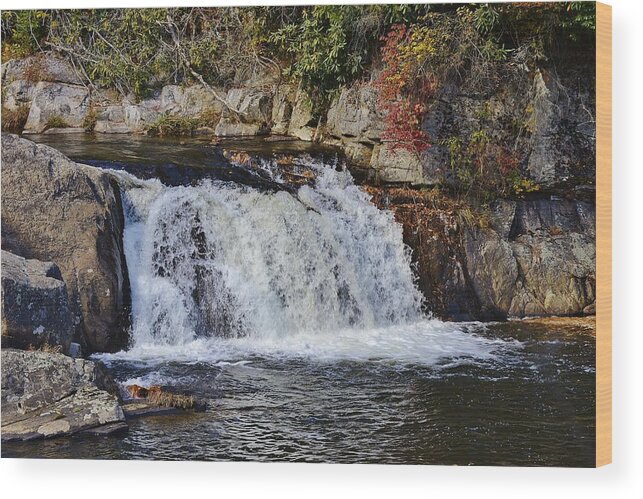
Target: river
[294, 314]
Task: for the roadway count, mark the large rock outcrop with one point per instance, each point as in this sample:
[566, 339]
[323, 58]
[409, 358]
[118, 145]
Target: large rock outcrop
[548, 119]
[56, 210]
[526, 258]
[48, 394]
[537, 258]
[35, 305]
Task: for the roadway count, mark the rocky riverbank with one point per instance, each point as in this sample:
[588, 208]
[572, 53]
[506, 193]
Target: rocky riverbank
[46, 394]
[550, 114]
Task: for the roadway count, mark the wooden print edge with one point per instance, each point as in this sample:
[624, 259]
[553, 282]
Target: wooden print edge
[603, 234]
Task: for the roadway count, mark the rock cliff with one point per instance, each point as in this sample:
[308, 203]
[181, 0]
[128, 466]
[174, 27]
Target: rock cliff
[58, 211]
[525, 258]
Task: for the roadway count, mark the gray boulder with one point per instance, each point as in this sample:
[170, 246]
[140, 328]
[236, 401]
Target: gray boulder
[125, 118]
[35, 305]
[56, 100]
[48, 394]
[253, 105]
[253, 117]
[355, 115]
[198, 100]
[129, 117]
[56, 210]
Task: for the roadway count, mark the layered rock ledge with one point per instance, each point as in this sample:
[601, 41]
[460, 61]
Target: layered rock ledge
[530, 257]
[47, 394]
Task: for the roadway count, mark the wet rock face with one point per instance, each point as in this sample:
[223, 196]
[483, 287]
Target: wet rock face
[56, 210]
[434, 236]
[537, 258]
[47, 394]
[533, 257]
[35, 306]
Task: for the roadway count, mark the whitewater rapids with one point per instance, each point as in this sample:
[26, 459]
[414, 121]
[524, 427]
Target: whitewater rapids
[223, 271]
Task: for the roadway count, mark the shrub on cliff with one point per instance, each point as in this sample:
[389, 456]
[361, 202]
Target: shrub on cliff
[13, 120]
[327, 46]
[479, 49]
[323, 47]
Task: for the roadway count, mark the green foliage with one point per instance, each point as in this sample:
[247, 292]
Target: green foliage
[120, 49]
[173, 125]
[55, 121]
[328, 46]
[22, 32]
[548, 28]
[485, 18]
[136, 50]
[521, 185]
[323, 46]
[583, 16]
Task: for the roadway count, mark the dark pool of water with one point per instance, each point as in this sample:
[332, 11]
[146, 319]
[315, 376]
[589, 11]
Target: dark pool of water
[532, 407]
[177, 160]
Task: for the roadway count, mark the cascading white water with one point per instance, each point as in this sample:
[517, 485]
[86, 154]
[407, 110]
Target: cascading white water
[227, 260]
[323, 272]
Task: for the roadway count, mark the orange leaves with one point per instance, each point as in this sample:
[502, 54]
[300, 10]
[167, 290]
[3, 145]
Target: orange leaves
[401, 95]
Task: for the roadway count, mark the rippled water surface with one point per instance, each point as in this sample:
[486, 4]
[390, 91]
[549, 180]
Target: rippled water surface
[531, 404]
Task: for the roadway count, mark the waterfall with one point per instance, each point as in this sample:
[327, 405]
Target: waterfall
[221, 271]
[226, 260]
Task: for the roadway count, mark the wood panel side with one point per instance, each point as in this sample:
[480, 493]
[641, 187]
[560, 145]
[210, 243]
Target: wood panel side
[603, 234]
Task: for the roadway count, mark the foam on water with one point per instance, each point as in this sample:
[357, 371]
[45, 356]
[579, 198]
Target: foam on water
[220, 271]
[428, 342]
